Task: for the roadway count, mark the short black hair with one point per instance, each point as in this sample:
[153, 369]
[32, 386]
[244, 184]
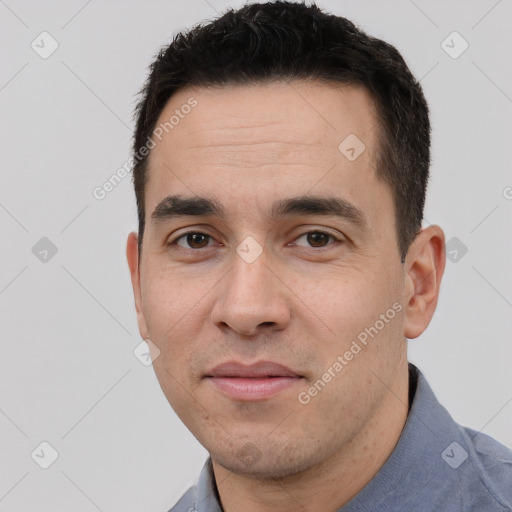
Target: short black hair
[272, 41]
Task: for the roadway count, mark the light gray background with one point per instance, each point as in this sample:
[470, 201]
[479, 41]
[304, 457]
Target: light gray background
[68, 327]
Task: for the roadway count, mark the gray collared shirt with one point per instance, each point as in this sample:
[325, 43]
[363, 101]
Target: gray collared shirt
[437, 465]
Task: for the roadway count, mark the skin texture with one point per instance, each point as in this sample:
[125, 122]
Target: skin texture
[301, 303]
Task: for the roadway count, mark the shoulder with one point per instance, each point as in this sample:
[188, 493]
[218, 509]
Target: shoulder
[491, 466]
[472, 471]
[186, 502]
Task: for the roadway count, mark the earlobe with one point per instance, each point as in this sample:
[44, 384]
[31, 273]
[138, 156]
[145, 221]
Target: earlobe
[132, 256]
[424, 265]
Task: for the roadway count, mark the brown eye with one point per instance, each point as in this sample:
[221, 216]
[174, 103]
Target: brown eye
[316, 239]
[193, 241]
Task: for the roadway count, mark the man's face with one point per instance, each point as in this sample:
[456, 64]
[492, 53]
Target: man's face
[299, 292]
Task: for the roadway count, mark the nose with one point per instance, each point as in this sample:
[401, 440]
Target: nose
[251, 299]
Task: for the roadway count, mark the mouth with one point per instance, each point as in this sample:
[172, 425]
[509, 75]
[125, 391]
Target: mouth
[250, 383]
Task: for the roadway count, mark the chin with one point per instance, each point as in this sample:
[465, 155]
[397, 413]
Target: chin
[265, 461]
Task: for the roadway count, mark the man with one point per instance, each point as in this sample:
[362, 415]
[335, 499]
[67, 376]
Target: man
[281, 162]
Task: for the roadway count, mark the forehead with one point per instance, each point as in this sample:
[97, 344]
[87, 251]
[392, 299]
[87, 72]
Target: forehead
[313, 113]
[262, 141]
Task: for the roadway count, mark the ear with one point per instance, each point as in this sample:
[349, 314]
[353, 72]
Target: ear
[132, 255]
[424, 266]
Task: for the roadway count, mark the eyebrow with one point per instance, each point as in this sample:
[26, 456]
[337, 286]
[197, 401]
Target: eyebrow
[175, 206]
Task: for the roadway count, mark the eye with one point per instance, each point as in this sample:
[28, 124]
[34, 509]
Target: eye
[192, 240]
[316, 239]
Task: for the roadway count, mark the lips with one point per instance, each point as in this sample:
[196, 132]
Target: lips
[259, 381]
[257, 370]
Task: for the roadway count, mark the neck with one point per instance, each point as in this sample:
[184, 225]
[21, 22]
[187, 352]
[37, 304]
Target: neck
[331, 484]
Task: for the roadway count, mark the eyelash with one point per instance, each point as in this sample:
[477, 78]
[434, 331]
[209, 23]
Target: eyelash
[336, 239]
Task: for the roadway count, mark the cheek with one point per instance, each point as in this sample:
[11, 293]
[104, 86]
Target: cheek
[169, 313]
[167, 297]
[364, 321]
[345, 305]
[177, 310]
